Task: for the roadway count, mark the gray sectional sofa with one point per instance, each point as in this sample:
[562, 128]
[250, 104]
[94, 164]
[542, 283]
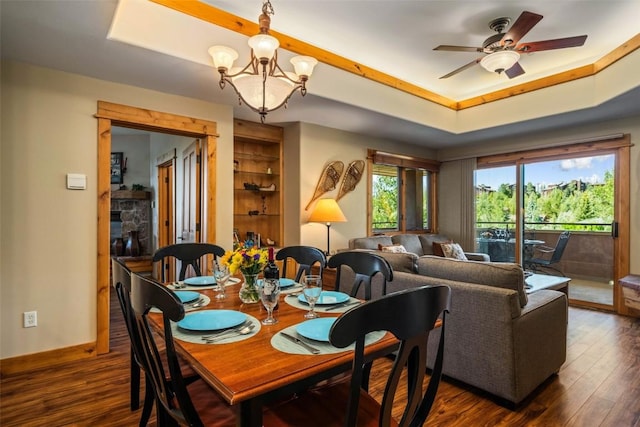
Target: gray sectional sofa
[498, 338]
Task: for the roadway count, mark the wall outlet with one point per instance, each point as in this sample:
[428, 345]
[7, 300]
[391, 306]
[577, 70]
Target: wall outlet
[30, 319]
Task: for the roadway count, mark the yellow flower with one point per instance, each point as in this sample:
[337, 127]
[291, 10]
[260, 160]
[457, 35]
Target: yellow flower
[246, 259]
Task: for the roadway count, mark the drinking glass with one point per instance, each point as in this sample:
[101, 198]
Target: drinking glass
[222, 274]
[311, 289]
[269, 290]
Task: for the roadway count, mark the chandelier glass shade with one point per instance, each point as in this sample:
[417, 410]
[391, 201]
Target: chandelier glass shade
[262, 85]
[500, 61]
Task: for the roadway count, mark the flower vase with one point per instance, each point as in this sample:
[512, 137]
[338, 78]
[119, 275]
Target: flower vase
[249, 289]
[133, 244]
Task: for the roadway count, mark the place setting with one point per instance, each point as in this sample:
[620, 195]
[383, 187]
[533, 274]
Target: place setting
[311, 337]
[201, 283]
[191, 300]
[215, 327]
[312, 298]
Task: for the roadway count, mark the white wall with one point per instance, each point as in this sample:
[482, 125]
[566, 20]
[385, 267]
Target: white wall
[48, 234]
[321, 145]
[135, 149]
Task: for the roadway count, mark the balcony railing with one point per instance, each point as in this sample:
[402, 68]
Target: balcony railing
[589, 252]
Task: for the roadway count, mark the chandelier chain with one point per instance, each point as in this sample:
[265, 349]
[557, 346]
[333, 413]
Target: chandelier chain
[267, 8]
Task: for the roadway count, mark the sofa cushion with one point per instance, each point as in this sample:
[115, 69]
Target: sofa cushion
[411, 242]
[499, 274]
[396, 249]
[427, 240]
[453, 250]
[370, 242]
[405, 263]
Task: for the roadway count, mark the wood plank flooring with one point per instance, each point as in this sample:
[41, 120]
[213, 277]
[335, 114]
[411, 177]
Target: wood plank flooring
[599, 385]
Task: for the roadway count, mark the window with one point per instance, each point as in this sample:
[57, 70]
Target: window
[402, 193]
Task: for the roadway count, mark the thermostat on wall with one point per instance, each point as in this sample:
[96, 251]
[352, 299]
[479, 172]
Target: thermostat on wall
[76, 181]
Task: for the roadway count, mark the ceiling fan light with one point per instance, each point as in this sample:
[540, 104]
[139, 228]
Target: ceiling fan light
[223, 56]
[303, 65]
[264, 46]
[498, 62]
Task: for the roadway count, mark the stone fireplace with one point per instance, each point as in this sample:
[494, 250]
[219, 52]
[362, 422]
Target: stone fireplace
[131, 211]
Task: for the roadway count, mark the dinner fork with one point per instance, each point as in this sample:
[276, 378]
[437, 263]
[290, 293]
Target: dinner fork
[226, 331]
[244, 331]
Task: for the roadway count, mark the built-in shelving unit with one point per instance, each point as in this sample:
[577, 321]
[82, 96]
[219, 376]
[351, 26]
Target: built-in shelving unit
[257, 183]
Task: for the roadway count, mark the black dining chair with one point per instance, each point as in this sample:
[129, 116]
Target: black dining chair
[304, 256]
[548, 256]
[410, 315]
[172, 390]
[364, 267]
[189, 255]
[121, 281]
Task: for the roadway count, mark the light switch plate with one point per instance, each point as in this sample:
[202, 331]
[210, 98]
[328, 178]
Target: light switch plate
[76, 181]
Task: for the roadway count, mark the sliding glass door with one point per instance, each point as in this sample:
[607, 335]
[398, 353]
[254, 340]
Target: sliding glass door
[554, 216]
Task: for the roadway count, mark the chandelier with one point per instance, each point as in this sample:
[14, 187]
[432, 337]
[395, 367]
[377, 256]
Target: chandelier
[262, 85]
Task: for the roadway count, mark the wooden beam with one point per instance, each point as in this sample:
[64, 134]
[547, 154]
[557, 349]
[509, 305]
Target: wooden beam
[219, 17]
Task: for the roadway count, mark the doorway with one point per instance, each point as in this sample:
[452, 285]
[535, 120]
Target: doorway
[109, 115]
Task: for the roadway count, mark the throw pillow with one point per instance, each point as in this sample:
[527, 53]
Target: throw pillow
[396, 249]
[453, 250]
[437, 248]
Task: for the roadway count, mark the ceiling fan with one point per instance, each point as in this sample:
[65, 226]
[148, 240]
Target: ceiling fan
[503, 51]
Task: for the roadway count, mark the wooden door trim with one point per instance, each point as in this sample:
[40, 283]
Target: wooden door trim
[108, 115]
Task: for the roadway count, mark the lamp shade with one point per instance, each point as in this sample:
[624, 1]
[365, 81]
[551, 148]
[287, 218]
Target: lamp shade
[500, 61]
[327, 210]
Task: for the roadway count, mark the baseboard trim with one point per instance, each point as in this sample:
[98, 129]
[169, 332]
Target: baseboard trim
[45, 359]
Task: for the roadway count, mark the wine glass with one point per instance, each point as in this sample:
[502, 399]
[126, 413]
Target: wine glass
[222, 274]
[269, 290]
[311, 289]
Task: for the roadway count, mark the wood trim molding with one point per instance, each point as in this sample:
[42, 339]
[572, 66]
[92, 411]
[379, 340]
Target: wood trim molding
[45, 359]
[110, 114]
[219, 17]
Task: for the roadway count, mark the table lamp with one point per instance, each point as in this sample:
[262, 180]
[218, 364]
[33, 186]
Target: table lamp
[327, 211]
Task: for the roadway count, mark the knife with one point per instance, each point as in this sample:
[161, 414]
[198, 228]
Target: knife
[300, 342]
[342, 304]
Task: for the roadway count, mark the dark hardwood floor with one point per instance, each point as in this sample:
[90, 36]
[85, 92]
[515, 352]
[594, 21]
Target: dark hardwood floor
[599, 385]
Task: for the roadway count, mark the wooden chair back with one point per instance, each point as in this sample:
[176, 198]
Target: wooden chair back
[365, 265]
[189, 255]
[305, 256]
[409, 315]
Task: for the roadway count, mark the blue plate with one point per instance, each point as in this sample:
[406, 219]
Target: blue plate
[285, 283]
[327, 298]
[187, 296]
[211, 320]
[200, 281]
[316, 329]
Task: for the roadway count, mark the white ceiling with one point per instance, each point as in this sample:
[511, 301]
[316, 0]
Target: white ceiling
[157, 48]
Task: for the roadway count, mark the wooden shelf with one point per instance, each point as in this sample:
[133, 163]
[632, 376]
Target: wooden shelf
[257, 149]
[130, 194]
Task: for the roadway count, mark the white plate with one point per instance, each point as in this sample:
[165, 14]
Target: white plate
[200, 281]
[316, 329]
[211, 320]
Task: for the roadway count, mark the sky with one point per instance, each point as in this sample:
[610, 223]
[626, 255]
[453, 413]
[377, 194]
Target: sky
[587, 169]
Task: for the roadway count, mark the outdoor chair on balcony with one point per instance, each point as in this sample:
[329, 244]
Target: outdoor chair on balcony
[544, 257]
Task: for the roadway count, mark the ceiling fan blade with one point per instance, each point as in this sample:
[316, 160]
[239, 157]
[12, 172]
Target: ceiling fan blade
[525, 22]
[464, 67]
[551, 44]
[514, 71]
[458, 48]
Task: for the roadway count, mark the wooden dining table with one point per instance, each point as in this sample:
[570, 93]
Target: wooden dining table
[251, 372]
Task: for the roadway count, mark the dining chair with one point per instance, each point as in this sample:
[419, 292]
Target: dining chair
[409, 315]
[305, 256]
[189, 254]
[546, 261]
[121, 280]
[172, 390]
[364, 265]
